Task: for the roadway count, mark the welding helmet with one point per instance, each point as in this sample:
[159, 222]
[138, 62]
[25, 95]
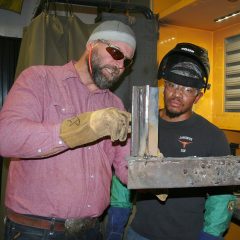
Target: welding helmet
[187, 65]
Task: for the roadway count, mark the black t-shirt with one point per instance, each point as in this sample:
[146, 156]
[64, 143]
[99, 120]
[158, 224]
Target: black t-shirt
[181, 216]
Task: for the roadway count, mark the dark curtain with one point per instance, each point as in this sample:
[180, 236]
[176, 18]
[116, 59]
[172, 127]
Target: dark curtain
[9, 49]
[53, 40]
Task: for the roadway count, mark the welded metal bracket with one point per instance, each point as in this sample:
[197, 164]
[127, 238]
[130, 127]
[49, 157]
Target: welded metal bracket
[146, 170]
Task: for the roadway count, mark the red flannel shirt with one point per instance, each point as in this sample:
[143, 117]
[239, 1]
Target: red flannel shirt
[73, 183]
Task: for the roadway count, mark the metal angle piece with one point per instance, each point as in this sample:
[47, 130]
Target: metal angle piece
[144, 141]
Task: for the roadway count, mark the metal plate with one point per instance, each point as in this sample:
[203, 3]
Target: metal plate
[156, 172]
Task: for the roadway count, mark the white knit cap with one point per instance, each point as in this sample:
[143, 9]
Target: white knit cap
[114, 31]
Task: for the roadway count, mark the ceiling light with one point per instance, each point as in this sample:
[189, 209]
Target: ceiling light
[167, 40]
[220, 19]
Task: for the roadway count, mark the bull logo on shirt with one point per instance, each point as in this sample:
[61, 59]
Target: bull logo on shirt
[184, 141]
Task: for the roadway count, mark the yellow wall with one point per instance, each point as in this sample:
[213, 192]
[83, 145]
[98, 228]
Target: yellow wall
[233, 232]
[165, 7]
[171, 35]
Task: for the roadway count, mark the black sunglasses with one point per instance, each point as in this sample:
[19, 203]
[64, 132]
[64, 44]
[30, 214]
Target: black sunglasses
[118, 55]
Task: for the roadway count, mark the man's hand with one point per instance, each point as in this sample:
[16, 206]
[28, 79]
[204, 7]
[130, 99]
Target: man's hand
[91, 126]
[110, 122]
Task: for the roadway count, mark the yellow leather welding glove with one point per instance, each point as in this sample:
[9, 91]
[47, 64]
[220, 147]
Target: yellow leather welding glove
[91, 126]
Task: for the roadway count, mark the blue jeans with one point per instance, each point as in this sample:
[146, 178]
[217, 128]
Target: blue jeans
[14, 231]
[132, 235]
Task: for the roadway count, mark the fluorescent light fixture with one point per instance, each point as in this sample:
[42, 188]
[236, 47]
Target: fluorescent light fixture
[220, 19]
[167, 40]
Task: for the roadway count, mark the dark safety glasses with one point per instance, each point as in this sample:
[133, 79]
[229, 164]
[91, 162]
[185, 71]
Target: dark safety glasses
[116, 54]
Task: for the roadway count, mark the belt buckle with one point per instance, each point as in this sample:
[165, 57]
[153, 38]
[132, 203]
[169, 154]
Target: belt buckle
[77, 227]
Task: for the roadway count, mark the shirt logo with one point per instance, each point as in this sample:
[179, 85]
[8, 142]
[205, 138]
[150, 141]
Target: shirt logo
[184, 141]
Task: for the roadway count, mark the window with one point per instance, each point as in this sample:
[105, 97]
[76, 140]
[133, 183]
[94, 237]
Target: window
[232, 74]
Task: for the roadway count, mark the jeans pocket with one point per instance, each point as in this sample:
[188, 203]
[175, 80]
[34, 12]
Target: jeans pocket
[15, 231]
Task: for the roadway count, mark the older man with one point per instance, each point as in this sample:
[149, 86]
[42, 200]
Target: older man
[64, 130]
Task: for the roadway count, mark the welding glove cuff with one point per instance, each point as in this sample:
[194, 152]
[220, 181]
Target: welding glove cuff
[207, 236]
[117, 220]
